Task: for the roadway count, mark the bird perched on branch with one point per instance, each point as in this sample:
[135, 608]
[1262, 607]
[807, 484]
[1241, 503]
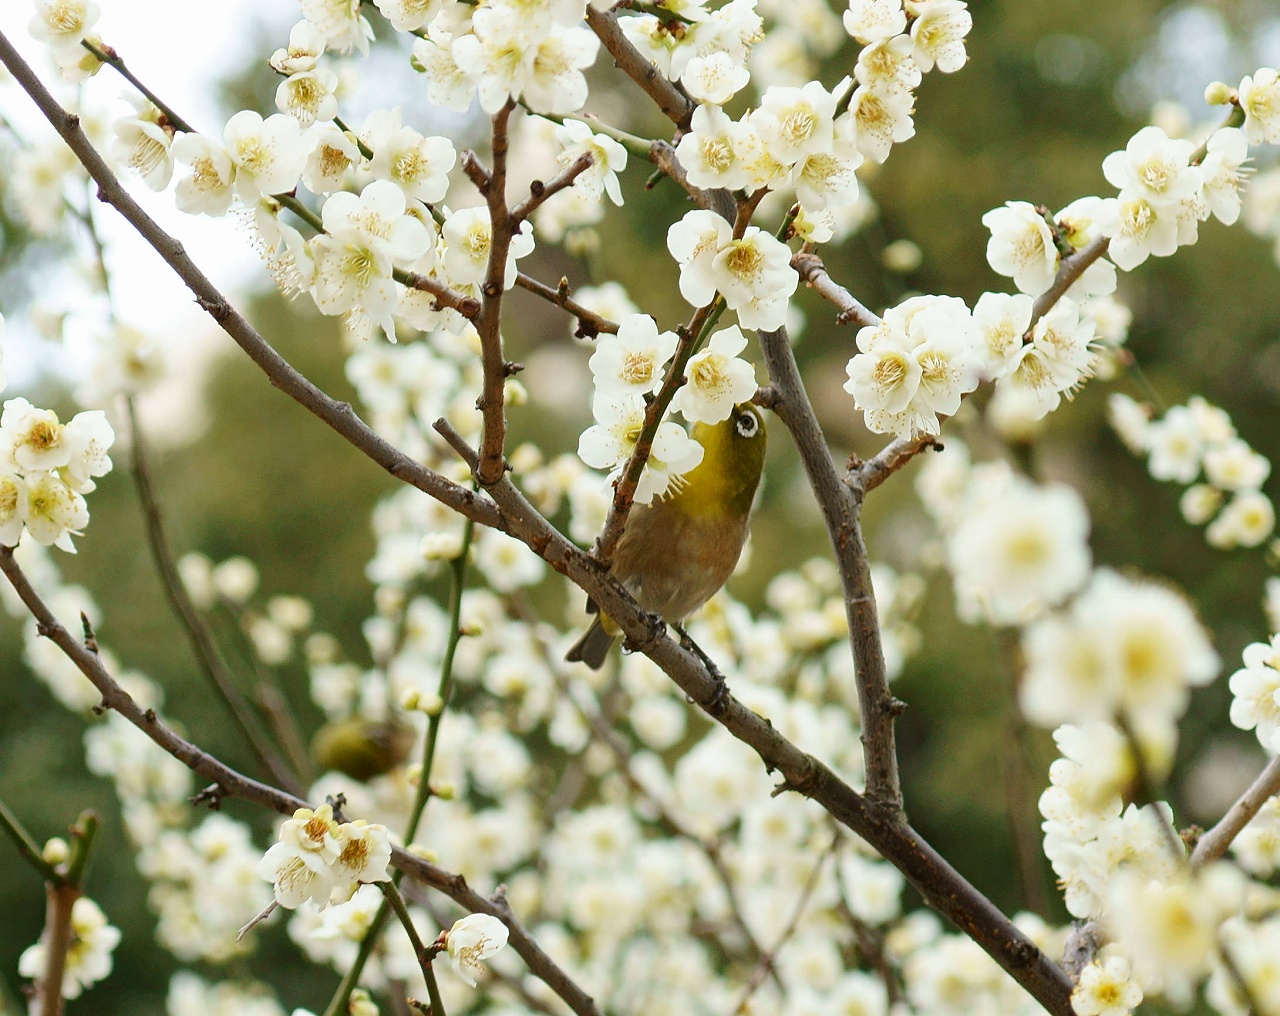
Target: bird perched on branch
[678, 551]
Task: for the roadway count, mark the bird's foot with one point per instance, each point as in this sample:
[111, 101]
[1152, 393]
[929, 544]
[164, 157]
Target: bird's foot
[719, 703]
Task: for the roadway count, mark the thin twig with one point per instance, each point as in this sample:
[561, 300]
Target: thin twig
[771, 956]
[590, 324]
[60, 900]
[227, 782]
[1214, 843]
[814, 274]
[198, 635]
[109, 56]
[675, 105]
[28, 849]
[540, 192]
[864, 476]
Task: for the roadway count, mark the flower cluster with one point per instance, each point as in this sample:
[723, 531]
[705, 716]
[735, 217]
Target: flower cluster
[1195, 440]
[46, 468]
[632, 365]
[1014, 548]
[318, 859]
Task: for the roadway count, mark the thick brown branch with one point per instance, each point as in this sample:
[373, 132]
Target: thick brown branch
[493, 185]
[338, 415]
[841, 510]
[229, 783]
[675, 105]
[57, 937]
[1069, 271]
[1214, 843]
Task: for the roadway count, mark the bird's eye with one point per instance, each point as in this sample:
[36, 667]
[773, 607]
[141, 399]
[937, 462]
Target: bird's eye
[747, 425]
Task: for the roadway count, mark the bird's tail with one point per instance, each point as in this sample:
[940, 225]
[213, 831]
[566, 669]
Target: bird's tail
[592, 648]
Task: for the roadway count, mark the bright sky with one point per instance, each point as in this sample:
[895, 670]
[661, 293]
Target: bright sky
[179, 50]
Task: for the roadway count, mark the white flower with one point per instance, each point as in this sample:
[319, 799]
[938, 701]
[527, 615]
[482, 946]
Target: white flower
[1130, 419]
[88, 960]
[1233, 465]
[1137, 229]
[1058, 358]
[301, 863]
[1021, 246]
[1001, 320]
[468, 236]
[887, 66]
[883, 119]
[472, 940]
[632, 360]
[364, 851]
[608, 159]
[828, 179]
[716, 380]
[142, 143]
[268, 154]
[306, 46]
[619, 421]
[1017, 550]
[794, 123]
[1176, 444]
[1260, 101]
[712, 150]
[418, 165]
[448, 85]
[755, 277]
[209, 188]
[1154, 168]
[408, 15]
[1106, 988]
[1256, 687]
[871, 21]
[1224, 173]
[334, 152]
[1247, 520]
[715, 77]
[694, 242]
[340, 22]
[63, 23]
[938, 32]
[309, 96]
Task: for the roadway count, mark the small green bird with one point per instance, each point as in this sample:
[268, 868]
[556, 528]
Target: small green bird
[676, 552]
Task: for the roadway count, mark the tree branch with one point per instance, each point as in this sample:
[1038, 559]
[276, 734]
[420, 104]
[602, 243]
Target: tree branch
[675, 105]
[227, 782]
[337, 415]
[814, 274]
[1214, 843]
[590, 324]
[841, 510]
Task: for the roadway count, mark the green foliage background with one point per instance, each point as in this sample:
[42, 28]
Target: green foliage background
[268, 481]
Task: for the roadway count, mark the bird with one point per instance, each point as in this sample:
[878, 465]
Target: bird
[676, 552]
[361, 748]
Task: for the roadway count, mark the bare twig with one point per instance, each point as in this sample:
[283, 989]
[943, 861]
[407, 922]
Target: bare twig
[26, 845]
[814, 274]
[765, 966]
[226, 782]
[109, 56]
[198, 635]
[590, 324]
[539, 192]
[1214, 843]
[60, 899]
[867, 475]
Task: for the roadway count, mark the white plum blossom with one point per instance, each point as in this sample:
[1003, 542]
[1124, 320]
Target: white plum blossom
[1225, 173]
[1106, 988]
[1260, 101]
[63, 23]
[1154, 168]
[468, 236]
[306, 46]
[334, 153]
[938, 31]
[88, 960]
[1058, 359]
[608, 159]
[915, 365]
[619, 422]
[142, 142]
[1001, 320]
[418, 165]
[1256, 691]
[888, 66]
[268, 155]
[794, 123]
[1248, 519]
[712, 151]
[309, 96]
[319, 859]
[209, 189]
[633, 359]
[870, 21]
[341, 24]
[755, 277]
[715, 78]
[1017, 550]
[471, 941]
[883, 119]
[409, 15]
[1021, 246]
[716, 379]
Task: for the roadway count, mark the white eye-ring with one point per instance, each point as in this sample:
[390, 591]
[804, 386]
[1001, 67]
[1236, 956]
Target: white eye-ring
[747, 425]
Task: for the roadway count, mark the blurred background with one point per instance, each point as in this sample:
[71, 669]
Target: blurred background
[1049, 90]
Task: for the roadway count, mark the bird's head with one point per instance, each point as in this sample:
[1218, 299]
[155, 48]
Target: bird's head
[732, 462]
